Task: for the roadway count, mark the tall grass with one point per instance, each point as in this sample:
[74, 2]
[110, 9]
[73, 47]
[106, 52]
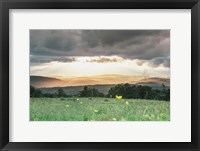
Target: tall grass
[98, 109]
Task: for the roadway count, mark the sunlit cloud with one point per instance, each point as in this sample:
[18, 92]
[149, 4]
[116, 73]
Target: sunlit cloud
[86, 66]
[96, 52]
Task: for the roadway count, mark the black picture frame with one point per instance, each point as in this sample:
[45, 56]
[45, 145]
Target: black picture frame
[5, 5]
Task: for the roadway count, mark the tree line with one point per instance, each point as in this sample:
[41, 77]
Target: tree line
[140, 92]
[127, 91]
[37, 93]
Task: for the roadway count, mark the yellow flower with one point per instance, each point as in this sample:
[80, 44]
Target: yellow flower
[67, 105]
[114, 119]
[118, 97]
[96, 111]
[127, 103]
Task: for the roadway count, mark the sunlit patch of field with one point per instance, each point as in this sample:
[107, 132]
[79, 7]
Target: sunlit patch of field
[98, 109]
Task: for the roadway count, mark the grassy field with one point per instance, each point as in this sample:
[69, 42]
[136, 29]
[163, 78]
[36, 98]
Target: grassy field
[98, 109]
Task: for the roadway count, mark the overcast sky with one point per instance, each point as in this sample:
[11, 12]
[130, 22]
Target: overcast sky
[52, 50]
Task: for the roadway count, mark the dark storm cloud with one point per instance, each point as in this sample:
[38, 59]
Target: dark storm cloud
[42, 59]
[146, 45]
[112, 37]
[53, 42]
[165, 61]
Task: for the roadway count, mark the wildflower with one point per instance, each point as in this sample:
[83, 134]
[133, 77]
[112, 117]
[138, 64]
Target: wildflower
[77, 99]
[118, 97]
[127, 103]
[96, 111]
[67, 105]
[114, 119]
[81, 102]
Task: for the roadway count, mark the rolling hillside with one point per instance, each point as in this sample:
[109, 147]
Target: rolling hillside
[39, 82]
[72, 85]
[46, 82]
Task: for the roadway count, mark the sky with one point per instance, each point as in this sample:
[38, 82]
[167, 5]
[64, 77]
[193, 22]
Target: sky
[100, 52]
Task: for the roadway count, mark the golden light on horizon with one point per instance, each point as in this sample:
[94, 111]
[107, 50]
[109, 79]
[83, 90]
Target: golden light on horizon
[97, 65]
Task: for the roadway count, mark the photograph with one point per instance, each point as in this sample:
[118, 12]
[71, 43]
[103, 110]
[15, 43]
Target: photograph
[99, 75]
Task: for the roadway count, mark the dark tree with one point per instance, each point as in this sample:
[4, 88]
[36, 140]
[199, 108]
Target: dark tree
[35, 92]
[90, 92]
[32, 91]
[61, 93]
[84, 92]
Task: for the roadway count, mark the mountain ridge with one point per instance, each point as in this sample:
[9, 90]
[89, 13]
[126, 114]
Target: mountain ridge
[47, 82]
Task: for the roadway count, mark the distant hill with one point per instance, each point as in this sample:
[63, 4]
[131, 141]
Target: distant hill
[51, 85]
[39, 81]
[47, 82]
[154, 81]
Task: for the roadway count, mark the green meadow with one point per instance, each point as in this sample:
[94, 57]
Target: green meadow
[98, 109]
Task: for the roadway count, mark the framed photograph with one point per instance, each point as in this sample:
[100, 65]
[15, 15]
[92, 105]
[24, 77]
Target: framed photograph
[100, 75]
